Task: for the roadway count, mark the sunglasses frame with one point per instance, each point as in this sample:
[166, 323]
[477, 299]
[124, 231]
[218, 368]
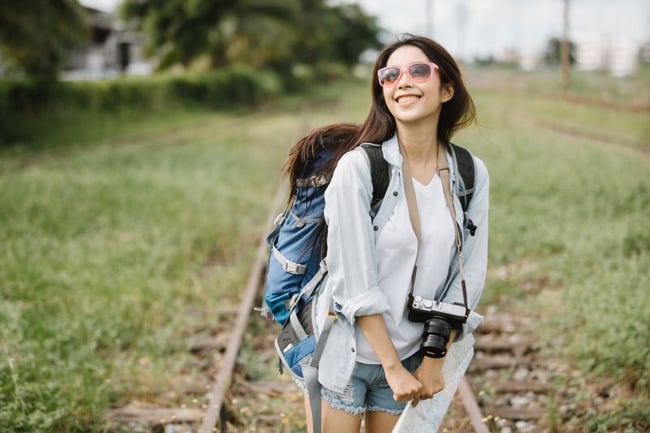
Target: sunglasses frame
[434, 67]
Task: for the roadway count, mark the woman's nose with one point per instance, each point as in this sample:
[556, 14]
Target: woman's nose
[404, 80]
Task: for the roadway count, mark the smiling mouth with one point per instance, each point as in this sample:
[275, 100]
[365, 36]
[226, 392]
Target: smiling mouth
[407, 99]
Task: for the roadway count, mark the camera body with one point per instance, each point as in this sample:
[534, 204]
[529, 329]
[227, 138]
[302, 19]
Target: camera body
[422, 309]
[439, 319]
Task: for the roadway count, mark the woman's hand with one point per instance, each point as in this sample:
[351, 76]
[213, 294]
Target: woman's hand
[404, 385]
[432, 378]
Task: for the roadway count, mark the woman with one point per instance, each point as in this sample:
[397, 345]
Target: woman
[373, 362]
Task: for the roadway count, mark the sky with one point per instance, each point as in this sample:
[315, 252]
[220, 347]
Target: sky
[471, 28]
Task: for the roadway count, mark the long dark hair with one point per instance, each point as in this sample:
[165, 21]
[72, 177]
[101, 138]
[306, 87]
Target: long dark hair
[303, 161]
[456, 113]
[338, 138]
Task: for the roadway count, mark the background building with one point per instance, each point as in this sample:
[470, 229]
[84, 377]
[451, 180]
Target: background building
[110, 50]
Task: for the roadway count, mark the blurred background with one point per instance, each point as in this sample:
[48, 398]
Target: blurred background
[101, 38]
[603, 35]
[293, 43]
[142, 142]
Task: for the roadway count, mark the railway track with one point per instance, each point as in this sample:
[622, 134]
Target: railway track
[510, 375]
[508, 388]
[581, 132]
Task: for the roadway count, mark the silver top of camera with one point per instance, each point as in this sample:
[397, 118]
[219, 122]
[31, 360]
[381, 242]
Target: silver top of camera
[424, 304]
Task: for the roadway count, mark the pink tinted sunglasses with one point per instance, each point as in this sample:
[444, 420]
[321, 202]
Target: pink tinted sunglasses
[418, 71]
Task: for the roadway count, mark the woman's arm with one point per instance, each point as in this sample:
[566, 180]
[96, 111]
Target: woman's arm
[351, 255]
[431, 375]
[404, 385]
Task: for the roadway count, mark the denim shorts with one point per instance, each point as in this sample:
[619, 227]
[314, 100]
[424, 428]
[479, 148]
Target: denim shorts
[368, 390]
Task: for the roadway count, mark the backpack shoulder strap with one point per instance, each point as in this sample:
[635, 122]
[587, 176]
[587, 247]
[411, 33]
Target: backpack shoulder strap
[379, 172]
[465, 164]
[467, 175]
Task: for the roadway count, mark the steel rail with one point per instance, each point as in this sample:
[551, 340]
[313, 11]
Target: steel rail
[223, 380]
[471, 407]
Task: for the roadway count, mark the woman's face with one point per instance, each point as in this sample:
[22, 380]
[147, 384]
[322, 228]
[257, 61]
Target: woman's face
[414, 100]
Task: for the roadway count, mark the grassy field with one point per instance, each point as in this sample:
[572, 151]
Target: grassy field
[569, 237]
[103, 249]
[107, 245]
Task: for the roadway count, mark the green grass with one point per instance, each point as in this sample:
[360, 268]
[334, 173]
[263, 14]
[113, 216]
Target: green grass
[537, 98]
[594, 86]
[627, 128]
[102, 257]
[105, 243]
[573, 212]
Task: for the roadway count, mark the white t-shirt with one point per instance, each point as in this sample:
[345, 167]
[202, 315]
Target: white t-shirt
[396, 248]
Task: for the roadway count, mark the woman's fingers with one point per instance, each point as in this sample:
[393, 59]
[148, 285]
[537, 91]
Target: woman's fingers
[426, 394]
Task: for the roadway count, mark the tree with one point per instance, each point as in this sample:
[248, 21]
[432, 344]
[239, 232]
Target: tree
[181, 31]
[36, 36]
[335, 34]
[552, 56]
[259, 33]
[357, 33]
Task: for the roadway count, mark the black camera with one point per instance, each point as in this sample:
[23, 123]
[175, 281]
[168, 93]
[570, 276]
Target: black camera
[439, 319]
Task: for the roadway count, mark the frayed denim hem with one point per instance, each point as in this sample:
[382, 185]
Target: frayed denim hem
[383, 409]
[357, 411]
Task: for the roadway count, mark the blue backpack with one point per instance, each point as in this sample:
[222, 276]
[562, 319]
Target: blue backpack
[298, 240]
[297, 244]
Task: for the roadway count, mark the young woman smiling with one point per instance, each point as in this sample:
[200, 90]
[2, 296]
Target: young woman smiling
[374, 362]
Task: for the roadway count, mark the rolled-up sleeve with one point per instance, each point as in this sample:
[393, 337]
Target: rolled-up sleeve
[351, 255]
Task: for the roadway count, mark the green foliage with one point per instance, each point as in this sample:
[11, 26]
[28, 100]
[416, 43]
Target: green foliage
[334, 34]
[552, 55]
[630, 417]
[25, 112]
[221, 89]
[264, 33]
[36, 36]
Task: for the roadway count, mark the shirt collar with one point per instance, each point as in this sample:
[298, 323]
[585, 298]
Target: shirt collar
[390, 149]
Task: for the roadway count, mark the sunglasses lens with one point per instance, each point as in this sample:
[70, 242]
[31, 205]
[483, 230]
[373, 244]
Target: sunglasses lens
[420, 71]
[388, 76]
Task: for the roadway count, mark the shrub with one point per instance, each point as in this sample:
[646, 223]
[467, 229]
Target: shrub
[26, 108]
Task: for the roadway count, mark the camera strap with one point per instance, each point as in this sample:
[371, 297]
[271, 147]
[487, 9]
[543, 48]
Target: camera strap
[414, 215]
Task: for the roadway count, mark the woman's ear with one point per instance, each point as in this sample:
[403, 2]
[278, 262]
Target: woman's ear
[447, 92]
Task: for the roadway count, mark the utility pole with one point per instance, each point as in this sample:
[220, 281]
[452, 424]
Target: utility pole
[461, 17]
[564, 48]
[428, 16]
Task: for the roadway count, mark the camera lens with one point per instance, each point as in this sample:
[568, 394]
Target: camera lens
[436, 336]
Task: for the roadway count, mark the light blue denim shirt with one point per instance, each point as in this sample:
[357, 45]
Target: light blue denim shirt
[351, 284]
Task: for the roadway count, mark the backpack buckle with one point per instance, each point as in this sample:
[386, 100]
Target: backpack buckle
[294, 268]
[279, 219]
[471, 227]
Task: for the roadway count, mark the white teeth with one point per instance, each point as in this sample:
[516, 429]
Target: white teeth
[405, 99]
